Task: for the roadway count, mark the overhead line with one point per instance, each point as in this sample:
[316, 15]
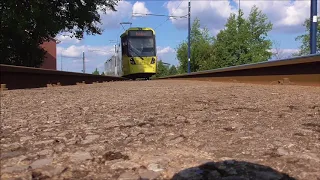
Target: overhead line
[168, 17]
[160, 15]
[162, 23]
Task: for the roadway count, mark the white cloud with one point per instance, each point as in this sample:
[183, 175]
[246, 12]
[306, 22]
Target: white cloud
[112, 19]
[288, 51]
[279, 53]
[74, 51]
[65, 38]
[164, 50]
[80, 61]
[109, 19]
[95, 56]
[212, 14]
[140, 8]
[167, 54]
[286, 16]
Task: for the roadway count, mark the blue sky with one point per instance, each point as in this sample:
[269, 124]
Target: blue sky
[287, 17]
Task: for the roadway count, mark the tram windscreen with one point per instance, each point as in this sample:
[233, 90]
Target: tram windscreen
[141, 46]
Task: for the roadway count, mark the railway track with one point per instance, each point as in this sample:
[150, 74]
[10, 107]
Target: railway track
[304, 70]
[18, 77]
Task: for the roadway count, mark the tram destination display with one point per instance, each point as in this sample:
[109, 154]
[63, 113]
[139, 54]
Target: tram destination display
[137, 33]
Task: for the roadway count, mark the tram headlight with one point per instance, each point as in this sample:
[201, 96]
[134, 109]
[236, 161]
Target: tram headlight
[153, 60]
[132, 61]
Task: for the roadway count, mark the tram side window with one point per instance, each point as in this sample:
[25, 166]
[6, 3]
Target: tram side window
[124, 45]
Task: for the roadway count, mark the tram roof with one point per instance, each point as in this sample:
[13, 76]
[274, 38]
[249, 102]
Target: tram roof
[137, 28]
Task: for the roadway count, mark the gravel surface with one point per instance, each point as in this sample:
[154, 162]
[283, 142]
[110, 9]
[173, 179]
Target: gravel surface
[161, 129]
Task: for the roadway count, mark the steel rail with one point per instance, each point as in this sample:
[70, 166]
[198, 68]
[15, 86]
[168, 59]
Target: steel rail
[19, 77]
[303, 70]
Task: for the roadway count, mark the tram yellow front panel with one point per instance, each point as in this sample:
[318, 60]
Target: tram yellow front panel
[143, 66]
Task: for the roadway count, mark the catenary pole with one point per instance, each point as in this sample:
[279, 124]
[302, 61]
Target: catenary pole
[61, 60]
[189, 7]
[313, 27]
[83, 61]
[239, 53]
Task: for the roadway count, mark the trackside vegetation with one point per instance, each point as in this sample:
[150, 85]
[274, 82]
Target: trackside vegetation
[242, 41]
[25, 25]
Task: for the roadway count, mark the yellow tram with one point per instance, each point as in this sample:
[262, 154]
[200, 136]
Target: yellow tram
[138, 52]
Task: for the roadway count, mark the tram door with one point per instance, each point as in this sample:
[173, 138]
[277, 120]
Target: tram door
[125, 58]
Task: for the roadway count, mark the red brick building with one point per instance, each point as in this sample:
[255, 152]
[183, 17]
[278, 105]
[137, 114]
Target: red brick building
[50, 60]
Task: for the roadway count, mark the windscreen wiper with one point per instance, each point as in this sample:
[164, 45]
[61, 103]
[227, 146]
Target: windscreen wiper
[136, 53]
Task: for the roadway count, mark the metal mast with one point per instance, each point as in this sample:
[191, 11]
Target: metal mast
[84, 71]
[189, 7]
[313, 27]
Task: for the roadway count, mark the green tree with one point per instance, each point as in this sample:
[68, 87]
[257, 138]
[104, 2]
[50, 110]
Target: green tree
[305, 39]
[162, 70]
[172, 70]
[201, 56]
[243, 41]
[259, 46]
[96, 72]
[27, 24]
[102, 74]
[226, 46]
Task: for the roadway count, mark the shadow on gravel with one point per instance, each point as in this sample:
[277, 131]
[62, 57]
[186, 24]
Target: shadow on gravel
[230, 170]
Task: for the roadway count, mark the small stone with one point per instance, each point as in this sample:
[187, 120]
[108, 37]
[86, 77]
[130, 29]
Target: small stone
[282, 152]
[124, 135]
[16, 168]
[50, 171]
[42, 102]
[90, 139]
[147, 174]
[95, 147]
[129, 176]
[25, 138]
[128, 123]
[310, 175]
[11, 146]
[191, 121]
[63, 134]
[11, 154]
[49, 134]
[111, 155]
[59, 147]
[135, 133]
[154, 167]
[45, 152]
[124, 165]
[80, 156]
[41, 162]
[225, 159]
[311, 156]
[46, 142]
[175, 140]
[170, 171]
[181, 118]
[277, 143]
